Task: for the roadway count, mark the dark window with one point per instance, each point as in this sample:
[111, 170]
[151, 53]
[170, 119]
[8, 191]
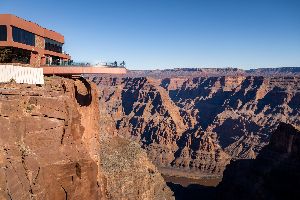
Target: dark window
[14, 55]
[52, 45]
[3, 33]
[22, 36]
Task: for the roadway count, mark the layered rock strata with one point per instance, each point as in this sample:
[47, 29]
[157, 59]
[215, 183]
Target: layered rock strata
[198, 124]
[48, 151]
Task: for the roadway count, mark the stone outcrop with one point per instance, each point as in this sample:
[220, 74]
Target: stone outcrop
[274, 174]
[46, 150]
[130, 175]
[50, 146]
[198, 124]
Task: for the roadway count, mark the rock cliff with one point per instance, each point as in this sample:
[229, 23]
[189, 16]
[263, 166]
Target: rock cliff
[130, 175]
[50, 147]
[196, 125]
[274, 174]
[48, 151]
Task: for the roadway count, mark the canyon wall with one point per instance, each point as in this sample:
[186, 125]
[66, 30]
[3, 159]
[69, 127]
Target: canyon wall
[46, 150]
[50, 147]
[195, 126]
[205, 72]
[274, 174]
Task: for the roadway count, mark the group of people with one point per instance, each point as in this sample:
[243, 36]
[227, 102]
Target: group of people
[115, 64]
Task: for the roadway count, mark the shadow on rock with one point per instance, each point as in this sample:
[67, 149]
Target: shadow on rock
[83, 99]
[192, 192]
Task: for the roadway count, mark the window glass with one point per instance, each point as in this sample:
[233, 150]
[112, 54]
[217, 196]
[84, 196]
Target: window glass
[3, 33]
[22, 36]
[52, 45]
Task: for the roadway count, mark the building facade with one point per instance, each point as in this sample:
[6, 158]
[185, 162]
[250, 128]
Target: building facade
[25, 42]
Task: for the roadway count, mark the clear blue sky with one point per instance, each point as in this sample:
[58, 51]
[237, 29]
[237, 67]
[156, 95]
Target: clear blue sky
[152, 34]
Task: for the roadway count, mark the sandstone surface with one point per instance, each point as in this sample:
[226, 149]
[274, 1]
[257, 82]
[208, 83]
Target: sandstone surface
[46, 146]
[130, 174]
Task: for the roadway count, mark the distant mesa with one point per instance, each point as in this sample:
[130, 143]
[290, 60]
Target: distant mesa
[214, 72]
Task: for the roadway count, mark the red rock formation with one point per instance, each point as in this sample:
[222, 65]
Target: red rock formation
[50, 146]
[130, 173]
[46, 144]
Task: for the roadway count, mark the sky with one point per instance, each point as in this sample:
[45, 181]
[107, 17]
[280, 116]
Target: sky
[160, 34]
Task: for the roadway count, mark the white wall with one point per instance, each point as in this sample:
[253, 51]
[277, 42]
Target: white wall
[21, 74]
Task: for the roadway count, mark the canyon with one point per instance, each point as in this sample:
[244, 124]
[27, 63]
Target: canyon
[194, 126]
[123, 137]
